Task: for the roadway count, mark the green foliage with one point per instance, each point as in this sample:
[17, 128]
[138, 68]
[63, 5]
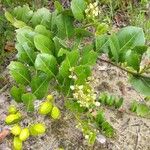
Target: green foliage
[140, 109]
[50, 48]
[110, 100]
[141, 84]
[28, 99]
[106, 128]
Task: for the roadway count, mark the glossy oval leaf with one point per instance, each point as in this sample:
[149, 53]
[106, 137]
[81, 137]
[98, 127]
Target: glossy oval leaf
[78, 7]
[28, 99]
[20, 73]
[39, 85]
[43, 44]
[26, 53]
[46, 63]
[16, 93]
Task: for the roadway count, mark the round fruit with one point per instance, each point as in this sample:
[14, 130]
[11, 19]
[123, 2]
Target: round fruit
[55, 114]
[45, 108]
[12, 109]
[13, 118]
[37, 129]
[24, 134]
[17, 143]
[15, 130]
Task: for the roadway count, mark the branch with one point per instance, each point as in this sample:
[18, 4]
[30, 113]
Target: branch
[124, 69]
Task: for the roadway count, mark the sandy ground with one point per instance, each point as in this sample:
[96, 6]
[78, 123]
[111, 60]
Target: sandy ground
[133, 133]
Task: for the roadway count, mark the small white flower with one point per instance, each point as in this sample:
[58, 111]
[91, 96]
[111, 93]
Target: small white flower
[97, 103]
[72, 87]
[96, 13]
[87, 10]
[81, 87]
[70, 76]
[86, 137]
[95, 4]
[71, 69]
[74, 77]
[91, 6]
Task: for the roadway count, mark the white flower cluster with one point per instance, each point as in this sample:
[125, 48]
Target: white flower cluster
[84, 95]
[92, 10]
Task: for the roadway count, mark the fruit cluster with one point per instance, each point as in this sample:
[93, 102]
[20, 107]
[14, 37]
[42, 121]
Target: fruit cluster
[22, 134]
[48, 108]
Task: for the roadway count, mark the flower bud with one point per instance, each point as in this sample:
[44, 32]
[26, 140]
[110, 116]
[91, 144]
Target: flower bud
[16, 130]
[37, 129]
[55, 114]
[50, 97]
[13, 118]
[17, 143]
[24, 135]
[45, 108]
[12, 109]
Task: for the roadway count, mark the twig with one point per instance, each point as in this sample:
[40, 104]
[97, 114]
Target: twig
[3, 89]
[137, 139]
[118, 66]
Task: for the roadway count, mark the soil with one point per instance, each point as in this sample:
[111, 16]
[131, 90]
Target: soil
[132, 132]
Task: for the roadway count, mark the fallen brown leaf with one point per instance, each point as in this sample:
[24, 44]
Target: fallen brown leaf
[3, 134]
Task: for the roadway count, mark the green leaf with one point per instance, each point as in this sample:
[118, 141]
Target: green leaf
[101, 44]
[24, 35]
[16, 93]
[100, 118]
[43, 44]
[89, 58]
[140, 49]
[133, 59]
[23, 13]
[19, 24]
[81, 33]
[42, 16]
[70, 61]
[20, 73]
[46, 63]
[9, 17]
[78, 7]
[58, 6]
[26, 53]
[65, 26]
[129, 37]
[82, 72]
[39, 85]
[28, 99]
[42, 30]
[141, 84]
[118, 102]
[143, 110]
[114, 47]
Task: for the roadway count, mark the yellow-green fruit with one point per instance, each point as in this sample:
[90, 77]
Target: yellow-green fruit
[12, 109]
[16, 130]
[45, 108]
[37, 129]
[50, 97]
[24, 134]
[13, 118]
[55, 114]
[17, 143]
